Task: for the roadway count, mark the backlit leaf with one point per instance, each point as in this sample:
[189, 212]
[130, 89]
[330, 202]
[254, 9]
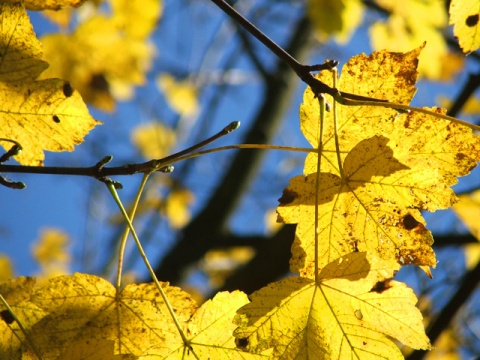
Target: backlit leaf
[210, 331]
[411, 23]
[17, 293]
[51, 4]
[465, 17]
[393, 166]
[40, 115]
[350, 313]
[335, 18]
[84, 310]
[180, 95]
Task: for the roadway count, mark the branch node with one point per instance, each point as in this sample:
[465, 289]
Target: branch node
[14, 150]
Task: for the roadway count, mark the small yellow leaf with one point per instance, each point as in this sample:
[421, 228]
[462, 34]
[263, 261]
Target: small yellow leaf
[181, 95]
[409, 24]
[138, 19]
[335, 18]
[465, 17]
[89, 57]
[51, 247]
[177, 207]
[303, 320]
[468, 210]
[6, 268]
[154, 140]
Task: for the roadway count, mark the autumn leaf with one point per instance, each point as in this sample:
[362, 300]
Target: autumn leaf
[51, 4]
[180, 95]
[353, 311]
[87, 319]
[90, 58]
[154, 140]
[413, 22]
[392, 167]
[210, 329]
[40, 115]
[85, 311]
[465, 16]
[338, 18]
[17, 293]
[51, 253]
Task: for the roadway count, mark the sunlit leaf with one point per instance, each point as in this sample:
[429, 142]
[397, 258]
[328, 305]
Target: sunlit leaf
[40, 115]
[51, 4]
[350, 313]
[210, 331]
[85, 311]
[393, 166]
[181, 95]
[409, 24]
[17, 293]
[465, 16]
[335, 18]
[154, 140]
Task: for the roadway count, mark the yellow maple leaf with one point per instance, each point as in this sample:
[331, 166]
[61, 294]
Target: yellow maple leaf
[177, 207]
[154, 140]
[6, 268]
[182, 96]
[51, 4]
[392, 167]
[138, 19]
[90, 59]
[351, 312]
[413, 22]
[465, 16]
[51, 253]
[17, 293]
[85, 311]
[40, 115]
[338, 18]
[210, 331]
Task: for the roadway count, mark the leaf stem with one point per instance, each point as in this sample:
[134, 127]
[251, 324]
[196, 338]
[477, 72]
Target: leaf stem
[123, 240]
[113, 192]
[322, 103]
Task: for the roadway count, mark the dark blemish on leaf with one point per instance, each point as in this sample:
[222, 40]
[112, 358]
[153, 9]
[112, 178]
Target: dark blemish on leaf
[241, 343]
[381, 286]
[56, 119]
[460, 156]
[287, 197]
[67, 89]
[409, 222]
[472, 20]
[99, 83]
[6, 316]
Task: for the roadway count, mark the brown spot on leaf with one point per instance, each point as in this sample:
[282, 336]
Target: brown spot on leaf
[460, 156]
[472, 20]
[241, 343]
[287, 197]
[99, 82]
[381, 286]
[56, 118]
[67, 89]
[6, 316]
[409, 222]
